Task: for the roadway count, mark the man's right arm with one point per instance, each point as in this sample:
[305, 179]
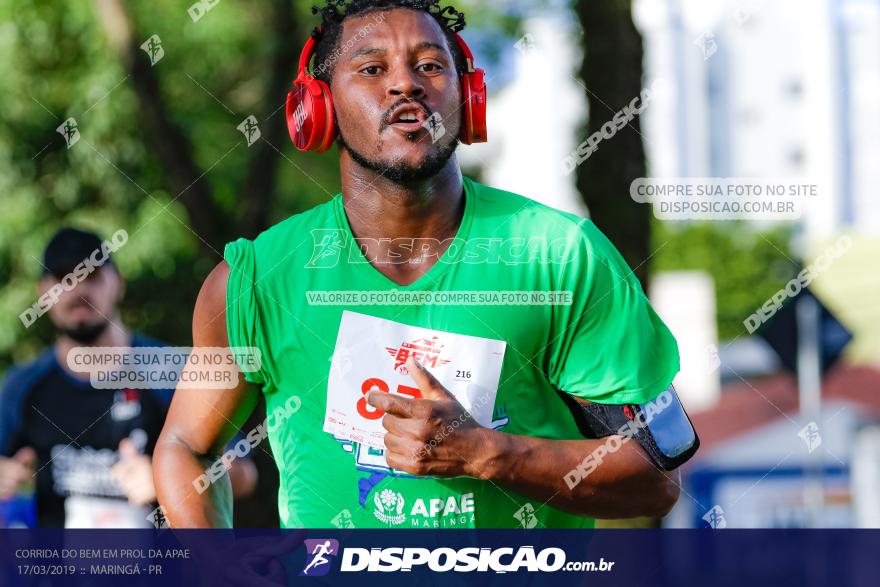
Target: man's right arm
[200, 423]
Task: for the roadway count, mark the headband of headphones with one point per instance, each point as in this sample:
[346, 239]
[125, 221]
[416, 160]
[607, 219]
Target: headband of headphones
[306, 56]
[309, 107]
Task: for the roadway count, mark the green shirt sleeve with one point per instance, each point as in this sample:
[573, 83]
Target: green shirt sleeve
[242, 311]
[608, 346]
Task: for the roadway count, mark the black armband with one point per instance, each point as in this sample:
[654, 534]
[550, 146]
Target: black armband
[660, 426]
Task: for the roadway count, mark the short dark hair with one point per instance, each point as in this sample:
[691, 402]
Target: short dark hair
[334, 12]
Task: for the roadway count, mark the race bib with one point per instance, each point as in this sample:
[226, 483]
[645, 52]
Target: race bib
[371, 354]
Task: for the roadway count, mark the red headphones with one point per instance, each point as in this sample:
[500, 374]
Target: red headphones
[310, 106]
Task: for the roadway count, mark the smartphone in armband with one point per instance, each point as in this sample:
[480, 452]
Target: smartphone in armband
[661, 426]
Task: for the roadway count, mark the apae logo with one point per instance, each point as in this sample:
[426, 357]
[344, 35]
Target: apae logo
[439, 512]
[389, 507]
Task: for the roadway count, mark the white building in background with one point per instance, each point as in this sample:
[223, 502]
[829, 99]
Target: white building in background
[685, 300]
[775, 89]
[860, 48]
[757, 88]
[779, 89]
[533, 121]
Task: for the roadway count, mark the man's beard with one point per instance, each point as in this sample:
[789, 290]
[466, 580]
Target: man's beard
[400, 172]
[84, 332]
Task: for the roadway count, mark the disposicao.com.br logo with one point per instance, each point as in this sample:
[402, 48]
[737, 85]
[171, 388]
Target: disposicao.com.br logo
[444, 559]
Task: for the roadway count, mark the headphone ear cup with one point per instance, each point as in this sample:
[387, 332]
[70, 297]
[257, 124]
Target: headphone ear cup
[309, 112]
[473, 124]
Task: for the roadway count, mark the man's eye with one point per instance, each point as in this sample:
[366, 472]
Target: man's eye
[430, 67]
[371, 70]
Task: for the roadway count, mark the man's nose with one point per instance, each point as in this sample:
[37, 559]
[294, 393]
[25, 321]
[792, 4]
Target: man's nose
[404, 81]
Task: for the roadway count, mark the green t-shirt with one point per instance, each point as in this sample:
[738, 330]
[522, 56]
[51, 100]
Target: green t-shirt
[604, 343]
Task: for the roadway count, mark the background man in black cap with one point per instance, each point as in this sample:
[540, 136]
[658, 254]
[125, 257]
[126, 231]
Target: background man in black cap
[87, 450]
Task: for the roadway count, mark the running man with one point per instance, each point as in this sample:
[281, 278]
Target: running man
[320, 559]
[407, 221]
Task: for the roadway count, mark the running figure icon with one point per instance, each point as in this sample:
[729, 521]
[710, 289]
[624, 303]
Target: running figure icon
[319, 552]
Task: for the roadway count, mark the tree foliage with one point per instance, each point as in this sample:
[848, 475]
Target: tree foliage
[747, 265]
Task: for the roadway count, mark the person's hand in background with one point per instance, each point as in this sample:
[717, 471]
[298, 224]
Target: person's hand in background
[17, 473]
[134, 473]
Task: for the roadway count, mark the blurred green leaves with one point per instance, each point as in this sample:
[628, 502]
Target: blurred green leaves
[747, 265]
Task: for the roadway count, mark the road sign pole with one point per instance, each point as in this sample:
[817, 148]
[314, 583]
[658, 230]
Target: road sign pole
[809, 376]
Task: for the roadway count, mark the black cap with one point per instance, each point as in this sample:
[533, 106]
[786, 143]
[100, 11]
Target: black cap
[67, 249]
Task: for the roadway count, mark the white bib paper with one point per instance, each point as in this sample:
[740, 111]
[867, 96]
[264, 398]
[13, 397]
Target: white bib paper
[371, 354]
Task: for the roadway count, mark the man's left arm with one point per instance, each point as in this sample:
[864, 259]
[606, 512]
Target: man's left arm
[436, 436]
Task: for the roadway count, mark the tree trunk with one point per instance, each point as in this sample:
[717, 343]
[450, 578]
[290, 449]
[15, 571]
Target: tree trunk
[173, 149]
[612, 74]
[258, 192]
